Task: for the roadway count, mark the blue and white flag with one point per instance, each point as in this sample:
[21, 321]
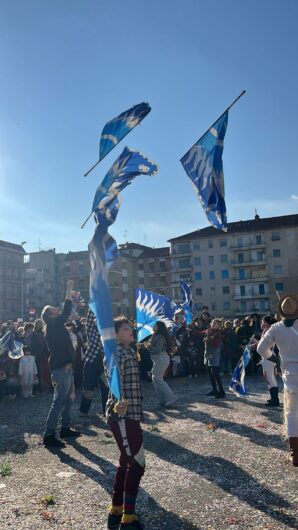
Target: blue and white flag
[203, 164]
[127, 166]
[116, 129]
[151, 307]
[103, 252]
[11, 346]
[187, 301]
[237, 382]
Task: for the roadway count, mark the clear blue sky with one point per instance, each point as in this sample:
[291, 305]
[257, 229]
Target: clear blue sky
[69, 66]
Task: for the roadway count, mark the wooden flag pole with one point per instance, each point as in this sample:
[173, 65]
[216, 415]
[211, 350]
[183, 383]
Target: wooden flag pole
[228, 108]
[86, 220]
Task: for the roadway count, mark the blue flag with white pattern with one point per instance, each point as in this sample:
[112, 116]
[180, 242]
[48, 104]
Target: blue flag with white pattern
[187, 301]
[11, 346]
[103, 252]
[237, 382]
[203, 164]
[151, 307]
[116, 129]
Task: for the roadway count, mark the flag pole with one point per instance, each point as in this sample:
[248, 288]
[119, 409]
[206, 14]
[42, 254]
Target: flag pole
[86, 220]
[91, 169]
[228, 108]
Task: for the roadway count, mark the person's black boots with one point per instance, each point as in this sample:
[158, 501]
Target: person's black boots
[274, 401]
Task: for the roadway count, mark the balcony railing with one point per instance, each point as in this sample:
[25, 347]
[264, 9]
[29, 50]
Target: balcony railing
[249, 261]
[248, 244]
[250, 278]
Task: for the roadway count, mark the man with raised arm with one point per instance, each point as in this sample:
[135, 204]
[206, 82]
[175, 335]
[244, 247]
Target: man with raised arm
[61, 361]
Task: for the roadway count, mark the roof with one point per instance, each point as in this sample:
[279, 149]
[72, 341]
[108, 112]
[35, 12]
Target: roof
[127, 246]
[268, 223]
[79, 255]
[11, 246]
[155, 253]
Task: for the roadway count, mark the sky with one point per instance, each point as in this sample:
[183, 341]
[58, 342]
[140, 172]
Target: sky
[69, 66]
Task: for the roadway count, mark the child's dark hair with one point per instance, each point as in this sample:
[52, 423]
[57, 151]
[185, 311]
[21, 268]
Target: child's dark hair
[268, 320]
[119, 321]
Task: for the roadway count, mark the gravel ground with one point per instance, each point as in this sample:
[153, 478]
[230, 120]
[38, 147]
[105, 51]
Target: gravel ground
[211, 464]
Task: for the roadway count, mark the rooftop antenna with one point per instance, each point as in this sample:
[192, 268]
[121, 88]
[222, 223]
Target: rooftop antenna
[39, 245]
[125, 236]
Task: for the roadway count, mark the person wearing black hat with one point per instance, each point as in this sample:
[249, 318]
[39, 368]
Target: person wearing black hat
[285, 335]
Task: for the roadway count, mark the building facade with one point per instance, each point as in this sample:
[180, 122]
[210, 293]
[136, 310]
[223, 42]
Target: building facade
[11, 280]
[240, 271]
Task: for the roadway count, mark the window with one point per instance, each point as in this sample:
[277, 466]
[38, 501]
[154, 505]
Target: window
[240, 258]
[198, 276]
[275, 236]
[184, 263]
[224, 258]
[196, 246]
[199, 291]
[261, 288]
[212, 275]
[224, 274]
[213, 306]
[210, 243]
[258, 240]
[212, 291]
[184, 249]
[276, 252]
[260, 256]
[279, 286]
[242, 290]
[197, 261]
[227, 306]
[226, 289]
[239, 242]
[241, 274]
[277, 269]
[211, 260]
[243, 306]
[141, 266]
[223, 243]
[162, 265]
[151, 266]
[27, 258]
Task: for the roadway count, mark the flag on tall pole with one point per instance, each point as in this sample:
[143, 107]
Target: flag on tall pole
[103, 251]
[237, 384]
[203, 165]
[116, 129]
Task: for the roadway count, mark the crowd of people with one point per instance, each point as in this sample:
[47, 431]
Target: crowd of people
[61, 352]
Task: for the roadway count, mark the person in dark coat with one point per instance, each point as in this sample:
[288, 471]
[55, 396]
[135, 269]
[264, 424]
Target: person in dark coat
[61, 361]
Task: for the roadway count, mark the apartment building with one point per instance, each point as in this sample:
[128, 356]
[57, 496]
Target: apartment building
[153, 267]
[11, 280]
[240, 271]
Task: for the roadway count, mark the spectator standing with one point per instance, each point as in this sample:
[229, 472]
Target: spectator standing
[160, 349]
[61, 360]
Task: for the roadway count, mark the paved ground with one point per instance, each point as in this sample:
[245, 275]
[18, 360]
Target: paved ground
[211, 464]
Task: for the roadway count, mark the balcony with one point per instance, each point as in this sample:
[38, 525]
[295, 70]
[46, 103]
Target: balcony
[251, 244]
[250, 278]
[250, 296]
[249, 262]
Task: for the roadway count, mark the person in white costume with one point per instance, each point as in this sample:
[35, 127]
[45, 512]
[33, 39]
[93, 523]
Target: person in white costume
[27, 372]
[269, 367]
[285, 335]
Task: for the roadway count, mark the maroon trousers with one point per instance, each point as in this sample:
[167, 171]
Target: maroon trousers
[129, 437]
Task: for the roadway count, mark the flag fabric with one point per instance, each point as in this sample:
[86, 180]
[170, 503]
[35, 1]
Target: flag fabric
[151, 307]
[203, 165]
[127, 166]
[237, 382]
[116, 129]
[187, 301]
[103, 252]
[11, 346]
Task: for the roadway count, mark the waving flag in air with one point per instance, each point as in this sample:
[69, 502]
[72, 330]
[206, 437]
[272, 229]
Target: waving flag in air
[203, 164]
[187, 301]
[8, 344]
[103, 251]
[151, 307]
[116, 129]
[237, 382]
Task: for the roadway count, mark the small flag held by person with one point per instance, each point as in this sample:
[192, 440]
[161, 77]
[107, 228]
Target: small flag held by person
[187, 301]
[237, 384]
